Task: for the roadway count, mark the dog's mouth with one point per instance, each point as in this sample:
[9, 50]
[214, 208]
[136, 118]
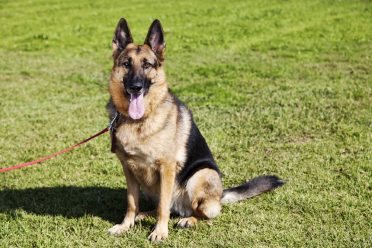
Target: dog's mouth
[136, 108]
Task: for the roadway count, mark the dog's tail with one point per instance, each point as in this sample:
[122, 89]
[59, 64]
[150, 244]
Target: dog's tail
[253, 187]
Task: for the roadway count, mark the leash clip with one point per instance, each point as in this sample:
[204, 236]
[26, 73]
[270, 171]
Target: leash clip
[112, 124]
[112, 128]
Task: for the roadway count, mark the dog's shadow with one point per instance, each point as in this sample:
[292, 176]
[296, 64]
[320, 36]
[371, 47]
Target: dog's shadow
[70, 202]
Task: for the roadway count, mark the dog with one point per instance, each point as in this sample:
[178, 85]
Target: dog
[161, 149]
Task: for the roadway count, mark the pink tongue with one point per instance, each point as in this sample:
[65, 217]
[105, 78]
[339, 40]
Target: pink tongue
[136, 106]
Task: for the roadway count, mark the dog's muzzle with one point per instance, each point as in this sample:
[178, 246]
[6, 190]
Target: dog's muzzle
[135, 88]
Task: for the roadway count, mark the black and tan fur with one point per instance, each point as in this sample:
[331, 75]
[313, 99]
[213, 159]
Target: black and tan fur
[163, 153]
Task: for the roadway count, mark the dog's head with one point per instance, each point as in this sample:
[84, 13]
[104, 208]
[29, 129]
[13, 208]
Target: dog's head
[137, 81]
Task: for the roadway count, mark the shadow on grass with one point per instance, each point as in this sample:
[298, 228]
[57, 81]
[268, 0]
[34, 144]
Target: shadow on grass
[70, 202]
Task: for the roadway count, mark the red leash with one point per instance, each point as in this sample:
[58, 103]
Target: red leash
[18, 166]
[111, 127]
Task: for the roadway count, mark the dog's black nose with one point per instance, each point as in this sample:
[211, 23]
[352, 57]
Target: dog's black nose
[135, 88]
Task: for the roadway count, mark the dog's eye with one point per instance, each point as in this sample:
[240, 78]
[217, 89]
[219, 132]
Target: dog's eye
[126, 64]
[147, 65]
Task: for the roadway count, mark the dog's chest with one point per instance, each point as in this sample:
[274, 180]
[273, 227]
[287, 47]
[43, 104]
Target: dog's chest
[135, 146]
[140, 156]
[148, 140]
[144, 146]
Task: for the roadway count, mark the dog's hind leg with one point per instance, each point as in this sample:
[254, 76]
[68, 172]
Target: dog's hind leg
[206, 209]
[205, 191]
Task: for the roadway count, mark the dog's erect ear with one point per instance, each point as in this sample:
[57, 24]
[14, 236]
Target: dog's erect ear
[155, 39]
[122, 36]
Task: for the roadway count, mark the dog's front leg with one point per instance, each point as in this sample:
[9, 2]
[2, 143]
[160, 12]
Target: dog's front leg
[167, 176]
[132, 204]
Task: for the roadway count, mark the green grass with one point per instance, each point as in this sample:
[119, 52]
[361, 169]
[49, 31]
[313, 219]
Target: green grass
[276, 87]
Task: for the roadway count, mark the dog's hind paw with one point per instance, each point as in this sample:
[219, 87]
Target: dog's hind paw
[142, 215]
[187, 222]
[118, 229]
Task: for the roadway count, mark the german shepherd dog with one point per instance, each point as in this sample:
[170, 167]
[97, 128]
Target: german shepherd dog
[158, 143]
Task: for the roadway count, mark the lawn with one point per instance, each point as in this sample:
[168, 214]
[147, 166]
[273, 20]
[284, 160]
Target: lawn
[276, 87]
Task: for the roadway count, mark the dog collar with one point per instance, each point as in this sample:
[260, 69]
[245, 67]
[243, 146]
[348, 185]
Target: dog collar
[112, 128]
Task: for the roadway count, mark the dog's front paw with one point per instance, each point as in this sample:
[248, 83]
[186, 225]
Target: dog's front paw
[119, 229]
[159, 234]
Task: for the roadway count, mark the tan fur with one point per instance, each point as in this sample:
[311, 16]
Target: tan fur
[187, 222]
[205, 190]
[116, 87]
[152, 150]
